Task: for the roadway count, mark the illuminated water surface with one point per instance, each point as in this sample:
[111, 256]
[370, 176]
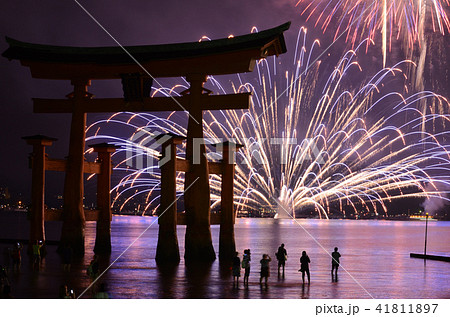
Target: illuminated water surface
[374, 253]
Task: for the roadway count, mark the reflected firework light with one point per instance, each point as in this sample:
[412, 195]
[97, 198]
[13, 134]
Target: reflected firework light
[341, 148]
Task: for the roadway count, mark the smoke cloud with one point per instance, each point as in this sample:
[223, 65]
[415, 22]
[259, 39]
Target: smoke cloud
[434, 203]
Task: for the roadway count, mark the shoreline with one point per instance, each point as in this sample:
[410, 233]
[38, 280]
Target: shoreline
[24, 213]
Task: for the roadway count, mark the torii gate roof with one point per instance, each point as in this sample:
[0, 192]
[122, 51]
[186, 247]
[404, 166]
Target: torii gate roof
[216, 57]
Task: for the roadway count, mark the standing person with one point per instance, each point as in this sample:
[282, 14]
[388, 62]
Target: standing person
[6, 257]
[236, 267]
[246, 265]
[17, 256]
[265, 269]
[102, 292]
[4, 280]
[92, 269]
[7, 292]
[63, 292]
[37, 254]
[335, 264]
[304, 266]
[66, 255]
[281, 257]
[5, 287]
[66, 293]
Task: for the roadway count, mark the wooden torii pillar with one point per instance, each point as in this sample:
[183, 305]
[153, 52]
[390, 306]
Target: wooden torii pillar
[227, 246]
[38, 159]
[40, 163]
[74, 221]
[167, 248]
[103, 232]
[198, 242]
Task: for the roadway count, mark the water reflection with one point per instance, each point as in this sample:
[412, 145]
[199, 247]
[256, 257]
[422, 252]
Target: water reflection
[305, 291]
[198, 280]
[375, 253]
[167, 280]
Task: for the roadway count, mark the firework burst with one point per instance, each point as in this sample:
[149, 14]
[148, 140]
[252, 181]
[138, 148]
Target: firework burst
[309, 145]
[395, 19]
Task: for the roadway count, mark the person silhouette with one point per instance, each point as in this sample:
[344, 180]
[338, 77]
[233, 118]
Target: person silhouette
[93, 268]
[66, 255]
[236, 268]
[4, 280]
[335, 264]
[102, 292]
[265, 269]
[304, 266]
[66, 293]
[281, 257]
[37, 254]
[246, 265]
[7, 292]
[16, 255]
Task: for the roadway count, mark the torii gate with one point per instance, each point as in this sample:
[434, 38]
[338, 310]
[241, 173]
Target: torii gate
[134, 65]
[168, 218]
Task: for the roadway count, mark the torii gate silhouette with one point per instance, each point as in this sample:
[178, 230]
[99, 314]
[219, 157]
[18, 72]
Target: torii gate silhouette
[137, 66]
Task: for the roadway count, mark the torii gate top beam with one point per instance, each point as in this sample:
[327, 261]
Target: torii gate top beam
[217, 57]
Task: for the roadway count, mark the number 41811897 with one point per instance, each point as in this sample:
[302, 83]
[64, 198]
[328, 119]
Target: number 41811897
[407, 308]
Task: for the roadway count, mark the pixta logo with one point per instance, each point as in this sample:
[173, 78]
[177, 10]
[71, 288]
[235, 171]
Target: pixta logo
[142, 150]
[288, 150]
